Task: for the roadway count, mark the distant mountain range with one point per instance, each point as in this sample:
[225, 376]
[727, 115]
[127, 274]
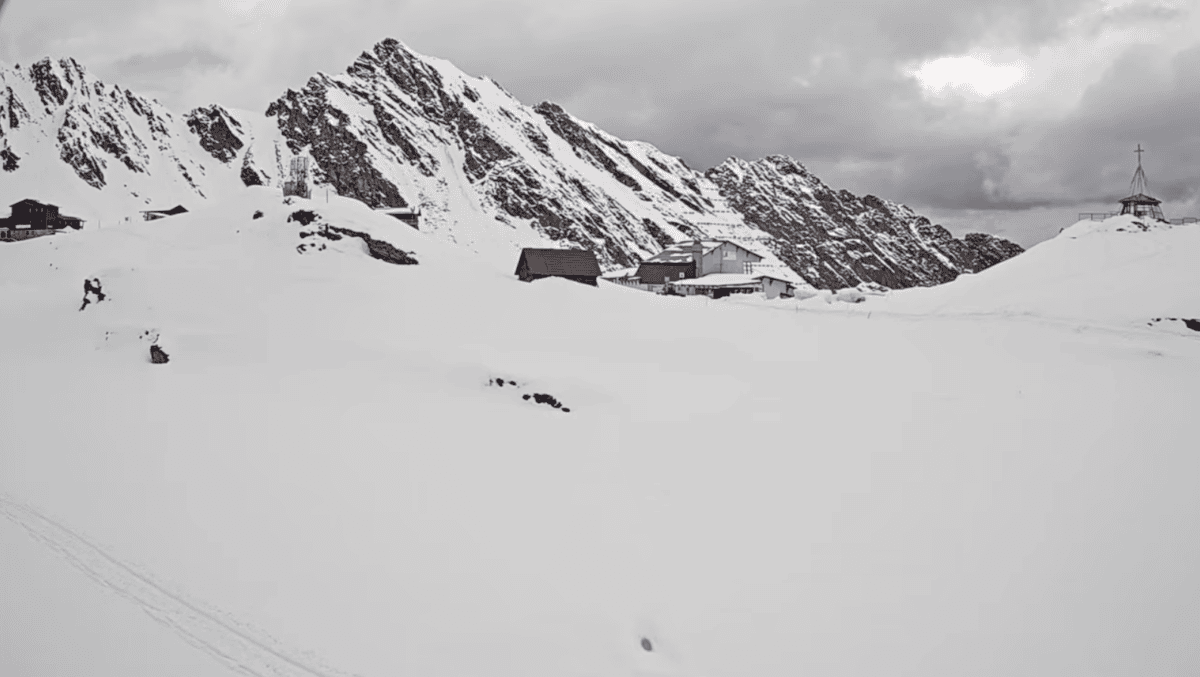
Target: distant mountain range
[400, 129]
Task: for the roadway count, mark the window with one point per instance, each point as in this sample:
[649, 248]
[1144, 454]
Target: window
[730, 255]
[681, 276]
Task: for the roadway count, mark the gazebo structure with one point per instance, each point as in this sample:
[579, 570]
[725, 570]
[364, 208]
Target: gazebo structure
[1139, 203]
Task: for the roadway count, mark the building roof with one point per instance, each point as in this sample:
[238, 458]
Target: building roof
[1140, 199]
[570, 262]
[682, 252]
[622, 272]
[177, 209]
[27, 201]
[728, 280]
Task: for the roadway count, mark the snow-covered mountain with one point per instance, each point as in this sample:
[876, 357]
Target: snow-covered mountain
[399, 129]
[95, 149]
[835, 239]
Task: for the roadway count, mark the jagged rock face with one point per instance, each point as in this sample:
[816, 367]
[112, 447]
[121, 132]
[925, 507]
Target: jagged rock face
[218, 133]
[97, 129]
[397, 129]
[835, 239]
[988, 250]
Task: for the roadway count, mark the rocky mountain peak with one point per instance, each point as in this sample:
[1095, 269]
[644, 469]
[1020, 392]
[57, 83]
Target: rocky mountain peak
[400, 129]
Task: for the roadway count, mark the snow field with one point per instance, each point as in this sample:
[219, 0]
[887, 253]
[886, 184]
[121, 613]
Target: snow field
[755, 490]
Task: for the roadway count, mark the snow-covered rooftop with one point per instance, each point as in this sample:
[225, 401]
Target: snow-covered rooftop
[727, 280]
[682, 252]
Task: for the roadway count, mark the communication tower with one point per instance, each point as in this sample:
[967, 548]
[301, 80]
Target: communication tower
[297, 182]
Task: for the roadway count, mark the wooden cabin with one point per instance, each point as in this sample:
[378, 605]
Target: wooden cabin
[30, 218]
[690, 260]
[409, 215]
[578, 265]
[155, 214]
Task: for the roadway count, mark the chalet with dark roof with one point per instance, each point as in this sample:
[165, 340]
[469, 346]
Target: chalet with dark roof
[155, 214]
[692, 259]
[573, 264]
[409, 215]
[29, 219]
[713, 268]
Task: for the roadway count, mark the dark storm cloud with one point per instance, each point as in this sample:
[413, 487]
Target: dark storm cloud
[1144, 99]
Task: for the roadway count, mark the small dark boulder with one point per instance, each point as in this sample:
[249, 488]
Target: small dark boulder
[303, 216]
[158, 355]
[647, 645]
[91, 288]
[258, 214]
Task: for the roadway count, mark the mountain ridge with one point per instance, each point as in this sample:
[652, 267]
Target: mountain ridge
[400, 129]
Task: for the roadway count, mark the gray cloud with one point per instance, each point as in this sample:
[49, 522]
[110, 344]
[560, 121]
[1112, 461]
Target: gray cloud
[170, 61]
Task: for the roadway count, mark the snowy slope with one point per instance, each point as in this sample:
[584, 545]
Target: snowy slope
[321, 481]
[1122, 272]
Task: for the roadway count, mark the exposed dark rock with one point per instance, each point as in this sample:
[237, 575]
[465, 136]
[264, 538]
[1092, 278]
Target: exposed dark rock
[543, 398]
[647, 645]
[158, 355]
[303, 216]
[86, 166]
[49, 87]
[258, 214]
[250, 176]
[988, 250]
[92, 288]
[581, 142]
[1192, 324]
[11, 160]
[216, 131]
[379, 249]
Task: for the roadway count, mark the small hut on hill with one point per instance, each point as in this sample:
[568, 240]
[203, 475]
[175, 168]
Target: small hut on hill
[1139, 203]
[409, 215]
[574, 264]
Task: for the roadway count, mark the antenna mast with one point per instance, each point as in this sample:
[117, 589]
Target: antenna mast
[1139, 185]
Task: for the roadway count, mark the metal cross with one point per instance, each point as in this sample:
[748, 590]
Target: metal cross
[1139, 152]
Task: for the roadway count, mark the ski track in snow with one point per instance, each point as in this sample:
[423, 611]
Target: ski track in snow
[245, 649]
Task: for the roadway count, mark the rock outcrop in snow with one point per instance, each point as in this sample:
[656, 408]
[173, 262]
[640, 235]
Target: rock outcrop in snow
[399, 129]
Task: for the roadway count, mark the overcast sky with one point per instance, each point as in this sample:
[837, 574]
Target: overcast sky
[1007, 116]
